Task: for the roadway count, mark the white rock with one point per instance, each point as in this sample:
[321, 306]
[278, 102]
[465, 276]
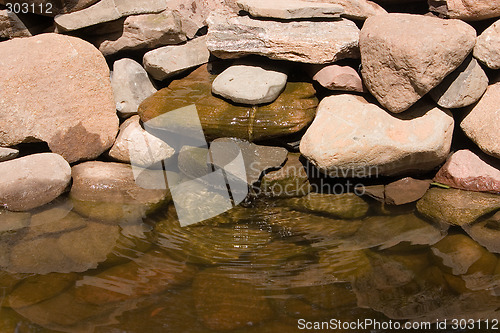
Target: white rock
[249, 84]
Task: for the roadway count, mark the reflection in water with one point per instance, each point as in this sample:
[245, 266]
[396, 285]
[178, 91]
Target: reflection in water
[252, 269]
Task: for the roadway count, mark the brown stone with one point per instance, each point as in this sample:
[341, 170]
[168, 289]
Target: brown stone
[52, 7]
[56, 89]
[335, 77]
[405, 190]
[468, 10]
[11, 26]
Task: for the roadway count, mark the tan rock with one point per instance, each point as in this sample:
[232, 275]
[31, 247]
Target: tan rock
[342, 143]
[145, 31]
[357, 9]
[336, 77]
[399, 73]
[482, 123]
[8, 154]
[32, 181]
[487, 46]
[56, 89]
[468, 10]
[11, 26]
[108, 10]
[289, 9]
[304, 41]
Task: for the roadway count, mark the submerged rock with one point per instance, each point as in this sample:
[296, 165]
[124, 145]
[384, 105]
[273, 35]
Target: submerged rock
[343, 206]
[456, 207]
[405, 190]
[291, 112]
[486, 232]
[289, 181]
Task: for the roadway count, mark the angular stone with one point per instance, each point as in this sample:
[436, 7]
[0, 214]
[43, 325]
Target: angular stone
[482, 122]
[145, 31]
[32, 181]
[342, 143]
[468, 10]
[314, 42]
[249, 84]
[405, 190]
[486, 232]
[170, 60]
[343, 206]
[108, 10]
[8, 154]
[467, 171]
[487, 46]
[336, 77]
[289, 181]
[136, 146]
[463, 87]
[108, 191]
[357, 9]
[289, 10]
[52, 8]
[399, 74]
[291, 112]
[11, 26]
[456, 207]
[131, 85]
[56, 88]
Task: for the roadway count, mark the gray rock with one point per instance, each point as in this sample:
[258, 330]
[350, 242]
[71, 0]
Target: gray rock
[8, 154]
[145, 31]
[289, 9]
[463, 87]
[249, 84]
[305, 41]
[487, 46]
[11, 26]
[32, 181]
[136, 146]
[342, 143]
[399, 73]
[170, 60]
[131, 85]
[107, 10]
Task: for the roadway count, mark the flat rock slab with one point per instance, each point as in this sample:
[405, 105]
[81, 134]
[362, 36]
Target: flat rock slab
[8, 154]
[487, 46]
[342, 143]
[108, 10]
[462, 87]
[170, 60]
[399, 73]
[305, 41]
[289, 10]
[56, 89]
[32, 181]
[249, 84]
[357, 9]
[336, 77]
[131, 85]
[465, 170]
[468, 10]
[405, 190]
[482, 122]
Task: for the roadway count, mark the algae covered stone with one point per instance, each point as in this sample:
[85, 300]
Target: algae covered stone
[345, 206]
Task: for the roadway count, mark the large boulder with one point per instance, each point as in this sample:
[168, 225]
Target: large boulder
[302, 41]
[56, 89]
[32, 181]
[404, 56]
[482, 121]
[487, 46]
[342, 143]
[468, 10]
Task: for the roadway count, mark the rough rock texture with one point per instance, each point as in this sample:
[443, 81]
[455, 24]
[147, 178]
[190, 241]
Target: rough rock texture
[336, 77]
[487, 46]
[8, 154]
[170, 60]
[482, 123]
[52, 8]
[405, 190]
[291, 112]
[136, 146]
[56, 89]
[342, 143]
[357, 9]
[289, 10]
[468, 10]
[404, 56]
[143, 32]
[289, 181]
[456, 207]
[305, 41]
[249, 84]
[108, 10]
[32, 181]
[465, 170]
[131, 85]
[463, 87]
[11, 26]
